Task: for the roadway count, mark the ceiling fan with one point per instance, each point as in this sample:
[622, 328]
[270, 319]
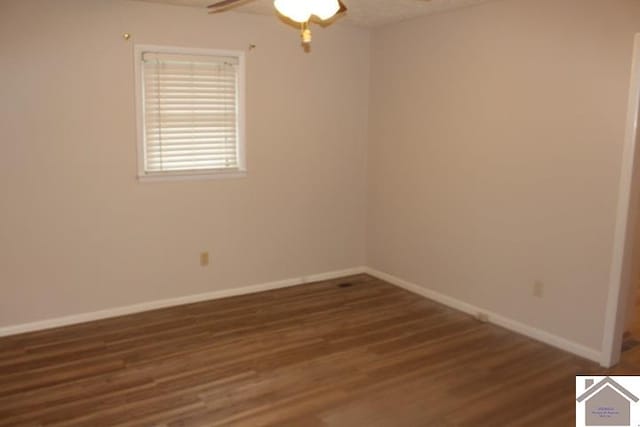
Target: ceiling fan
[299, 11]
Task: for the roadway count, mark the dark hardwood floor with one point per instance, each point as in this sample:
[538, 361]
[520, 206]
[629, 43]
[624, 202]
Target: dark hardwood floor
[369, 354]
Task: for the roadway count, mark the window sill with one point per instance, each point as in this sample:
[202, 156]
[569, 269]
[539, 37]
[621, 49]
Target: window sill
[192, 176]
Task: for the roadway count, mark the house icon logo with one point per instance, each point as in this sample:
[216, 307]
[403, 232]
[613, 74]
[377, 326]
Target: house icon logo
[606, 402]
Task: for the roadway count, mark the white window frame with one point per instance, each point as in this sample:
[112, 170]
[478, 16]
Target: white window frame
[238, 172]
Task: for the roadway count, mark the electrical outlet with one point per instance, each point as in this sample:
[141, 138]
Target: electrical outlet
[482, 317]
[538, 289]
[204, 259]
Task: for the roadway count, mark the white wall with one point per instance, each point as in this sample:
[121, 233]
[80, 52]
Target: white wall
[495, 147]
[495, 136]
[78, 233]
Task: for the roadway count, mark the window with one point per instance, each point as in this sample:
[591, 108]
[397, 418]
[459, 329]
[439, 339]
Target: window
[190, 112]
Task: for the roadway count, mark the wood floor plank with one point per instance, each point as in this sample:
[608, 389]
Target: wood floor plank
[318, 355]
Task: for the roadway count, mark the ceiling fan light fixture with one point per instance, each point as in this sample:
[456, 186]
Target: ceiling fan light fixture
[296, 10]
[325, 9]
[301, 10]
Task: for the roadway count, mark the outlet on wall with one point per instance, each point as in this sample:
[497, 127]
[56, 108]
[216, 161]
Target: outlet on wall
[204, 259]
[538, 289]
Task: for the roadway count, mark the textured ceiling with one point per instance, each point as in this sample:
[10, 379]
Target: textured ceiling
[366, 13]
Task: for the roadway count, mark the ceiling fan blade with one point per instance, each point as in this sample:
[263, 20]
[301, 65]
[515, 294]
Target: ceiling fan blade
[343, 7]
[222, 4]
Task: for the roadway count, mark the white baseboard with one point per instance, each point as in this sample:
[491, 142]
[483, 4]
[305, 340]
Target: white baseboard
[189, 299]
[513, 325]
[505, 322]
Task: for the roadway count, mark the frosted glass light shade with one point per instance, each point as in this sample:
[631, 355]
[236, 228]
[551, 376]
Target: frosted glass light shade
[325, 9]
[301, 10]
[296, 10]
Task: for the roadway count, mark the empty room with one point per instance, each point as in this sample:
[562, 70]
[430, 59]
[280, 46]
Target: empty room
[319, 213]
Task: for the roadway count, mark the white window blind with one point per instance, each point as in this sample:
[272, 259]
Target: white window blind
[190, 112]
